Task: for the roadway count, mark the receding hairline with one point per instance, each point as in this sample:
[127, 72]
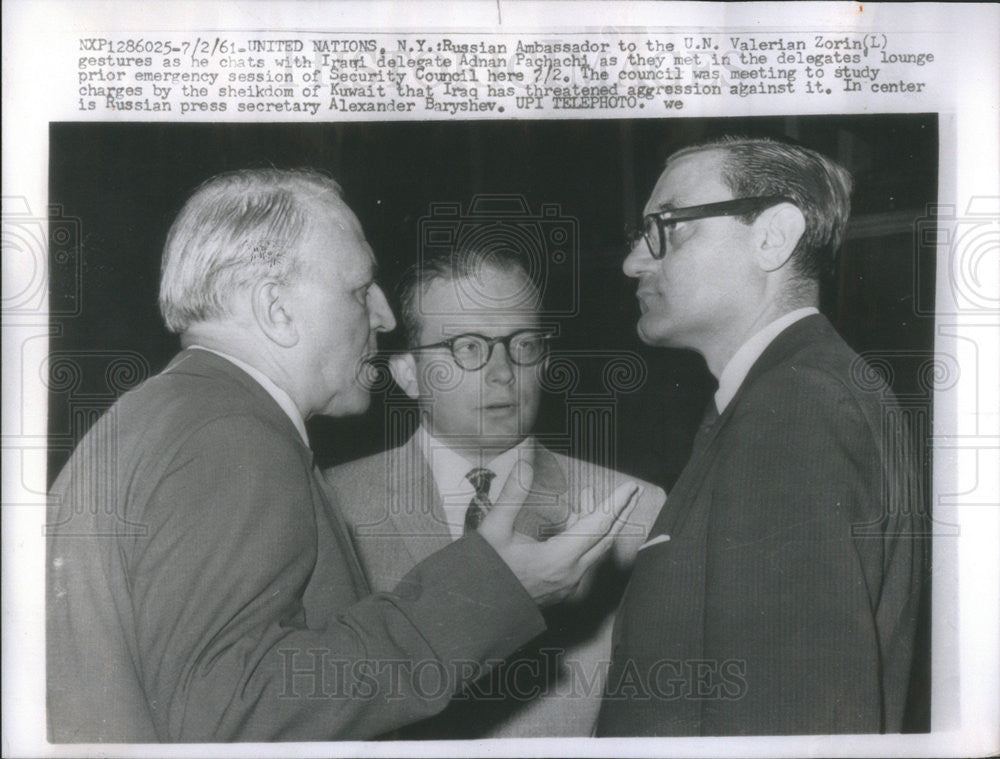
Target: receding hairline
[696, 150]
[684, 153]
[505, 268]
[239, 226]
[320, 202]
[331, 208]
[328, 206]
[412, 318]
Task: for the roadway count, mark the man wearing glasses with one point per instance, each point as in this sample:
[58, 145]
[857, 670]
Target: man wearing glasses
[778, 590]
[476, 350]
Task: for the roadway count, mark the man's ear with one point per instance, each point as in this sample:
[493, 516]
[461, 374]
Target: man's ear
[270, 304]
[778, 232]
[403, 367]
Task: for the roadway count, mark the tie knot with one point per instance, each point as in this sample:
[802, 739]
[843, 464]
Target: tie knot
[481, 479]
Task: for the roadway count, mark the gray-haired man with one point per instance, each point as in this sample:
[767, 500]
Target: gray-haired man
[200, 584]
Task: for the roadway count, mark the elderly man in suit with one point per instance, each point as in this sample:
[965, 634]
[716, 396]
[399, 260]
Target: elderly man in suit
[201, 585]
[475, 353]
[778, 592]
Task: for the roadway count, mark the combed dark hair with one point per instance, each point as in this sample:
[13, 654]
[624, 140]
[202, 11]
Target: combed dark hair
[818, 186]
[465, 263]
[234, 230]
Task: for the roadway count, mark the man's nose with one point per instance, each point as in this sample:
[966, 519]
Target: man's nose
[638, 260]
[499, 369]
[379, 313]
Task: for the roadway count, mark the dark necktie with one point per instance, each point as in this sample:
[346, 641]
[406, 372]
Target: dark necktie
[480, 503]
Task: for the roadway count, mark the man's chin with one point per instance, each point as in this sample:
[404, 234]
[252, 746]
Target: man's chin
[662, 331]
[356, 403]
[502, 439]
[647, 333]
[360, 403]
[490, 439]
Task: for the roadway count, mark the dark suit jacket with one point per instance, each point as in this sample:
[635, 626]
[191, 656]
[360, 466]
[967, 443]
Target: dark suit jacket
[202, 587]
[551, 688]
[786, 597]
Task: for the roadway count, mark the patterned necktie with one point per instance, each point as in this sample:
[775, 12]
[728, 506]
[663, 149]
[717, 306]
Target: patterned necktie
[480, 503]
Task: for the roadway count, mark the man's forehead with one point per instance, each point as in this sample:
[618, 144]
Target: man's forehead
[485, 292]
[341, 236]
[333, 214]
[442, 326]
[496, 302]
[358, 265]
[689, 180]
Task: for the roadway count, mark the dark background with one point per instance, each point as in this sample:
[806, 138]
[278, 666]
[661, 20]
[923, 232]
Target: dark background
[115, 188]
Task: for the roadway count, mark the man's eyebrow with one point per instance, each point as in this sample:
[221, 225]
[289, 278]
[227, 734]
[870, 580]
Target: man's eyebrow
[364, 280]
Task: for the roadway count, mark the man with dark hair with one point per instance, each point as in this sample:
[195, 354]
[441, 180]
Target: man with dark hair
[476, 351]
[200, 585]
[778, 592]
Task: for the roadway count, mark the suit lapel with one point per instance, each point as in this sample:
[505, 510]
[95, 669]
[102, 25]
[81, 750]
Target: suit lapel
[546, 507]
[341, 533]
[415, 507]
[680, 500]
[207, 364]
[417, 515]
[673, 516]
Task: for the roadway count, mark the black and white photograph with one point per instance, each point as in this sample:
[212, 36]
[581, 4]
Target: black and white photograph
[556, 433]
[789, 566]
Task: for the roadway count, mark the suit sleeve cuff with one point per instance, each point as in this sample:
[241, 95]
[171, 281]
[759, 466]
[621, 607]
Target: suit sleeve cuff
[469, 604]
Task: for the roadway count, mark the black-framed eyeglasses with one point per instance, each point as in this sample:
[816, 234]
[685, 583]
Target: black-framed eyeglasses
[655, 225]
[472, 351]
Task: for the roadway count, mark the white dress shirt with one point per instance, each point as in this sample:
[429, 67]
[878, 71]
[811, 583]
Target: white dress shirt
[450, 467]
[282, 398]
[739, 365]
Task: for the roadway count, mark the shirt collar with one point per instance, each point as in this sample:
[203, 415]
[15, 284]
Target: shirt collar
[741, 362]
[283, 399]
[450, 467]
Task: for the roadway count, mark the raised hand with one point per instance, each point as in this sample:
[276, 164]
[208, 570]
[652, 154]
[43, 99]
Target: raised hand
[551, 570]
